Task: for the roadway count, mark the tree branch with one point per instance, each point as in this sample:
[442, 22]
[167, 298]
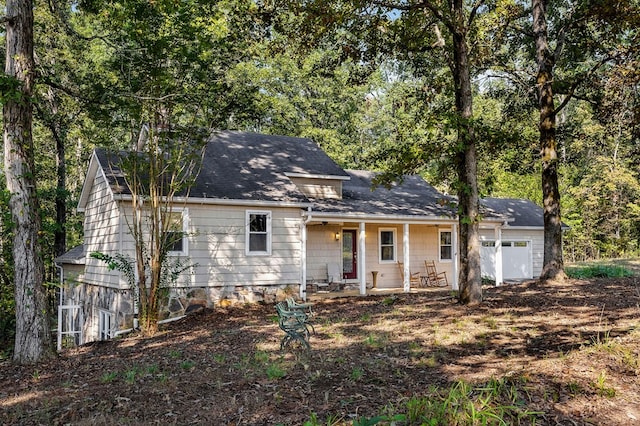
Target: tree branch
[63, 19]
[437, 13]
[474, 11]
[570, 94]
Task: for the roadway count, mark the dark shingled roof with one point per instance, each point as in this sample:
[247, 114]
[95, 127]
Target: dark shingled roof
[75, 256]
[246, 166]
[412, 197]
[252, 166]
[523, 212]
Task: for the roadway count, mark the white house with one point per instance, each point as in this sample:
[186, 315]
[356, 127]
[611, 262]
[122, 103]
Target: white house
[271, 214]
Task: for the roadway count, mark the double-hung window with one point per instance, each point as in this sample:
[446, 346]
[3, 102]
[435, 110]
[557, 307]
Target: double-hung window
[387, 245]
[258, 239]
[176, 232]
[446, 246]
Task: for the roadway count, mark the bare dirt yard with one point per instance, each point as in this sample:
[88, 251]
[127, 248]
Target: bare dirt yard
[559, 354]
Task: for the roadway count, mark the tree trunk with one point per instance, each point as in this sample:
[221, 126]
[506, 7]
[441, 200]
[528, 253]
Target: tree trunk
[60, 234]
[553, 265]
[59, 133]
[33, 341]
[466, 162]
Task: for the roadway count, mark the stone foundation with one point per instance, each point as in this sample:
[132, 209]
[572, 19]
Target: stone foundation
[177, 302]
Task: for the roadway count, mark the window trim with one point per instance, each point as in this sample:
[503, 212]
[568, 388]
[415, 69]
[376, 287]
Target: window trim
[440, 245]
[248, 232]
[394, 232]
[184, 211]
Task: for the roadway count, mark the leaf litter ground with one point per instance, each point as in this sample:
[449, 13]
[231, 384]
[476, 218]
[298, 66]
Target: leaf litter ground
[572, 347]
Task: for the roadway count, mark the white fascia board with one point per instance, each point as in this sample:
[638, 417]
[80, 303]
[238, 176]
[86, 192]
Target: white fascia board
[88, 182]
[390, 219]
[491, 223]
[312, 176]
[227, 202]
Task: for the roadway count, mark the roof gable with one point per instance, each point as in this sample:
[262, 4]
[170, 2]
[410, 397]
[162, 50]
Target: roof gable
[95, 167]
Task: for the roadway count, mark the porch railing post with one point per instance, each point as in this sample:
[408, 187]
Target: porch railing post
[362, 263]
[407, 264]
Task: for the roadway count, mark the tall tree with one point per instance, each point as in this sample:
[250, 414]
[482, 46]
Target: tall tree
[423, 21]
[33, 336]
[466, 159]
[168, 62]
[553, 265]
[573, 44]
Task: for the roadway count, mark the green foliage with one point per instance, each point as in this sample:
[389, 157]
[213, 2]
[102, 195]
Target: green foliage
[376, 340]
[372, 88]
[118, 262]
[171, 270]
[131, 375]
[7, 300]
[187, 364]
[10, 88]
[598, 271]
[357, 373]
[601, 386]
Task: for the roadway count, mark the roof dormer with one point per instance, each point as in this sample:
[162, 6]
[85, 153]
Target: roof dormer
[319, 187]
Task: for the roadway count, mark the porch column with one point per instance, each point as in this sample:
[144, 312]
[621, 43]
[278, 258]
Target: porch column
[456, 257]
[362, 262]
[303, 260]
[498, 255]
[407, 267]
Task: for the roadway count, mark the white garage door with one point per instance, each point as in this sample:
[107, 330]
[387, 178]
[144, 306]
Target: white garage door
[516, 259]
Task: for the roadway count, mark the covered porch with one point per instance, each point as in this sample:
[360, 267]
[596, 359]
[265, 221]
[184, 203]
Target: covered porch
[375, 255]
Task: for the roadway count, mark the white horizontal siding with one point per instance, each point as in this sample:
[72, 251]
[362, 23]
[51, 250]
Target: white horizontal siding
[217, 245]
[101, 233]
[322, 249]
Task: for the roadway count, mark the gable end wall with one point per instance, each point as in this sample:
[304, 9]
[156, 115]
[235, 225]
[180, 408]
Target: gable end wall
[102, 233]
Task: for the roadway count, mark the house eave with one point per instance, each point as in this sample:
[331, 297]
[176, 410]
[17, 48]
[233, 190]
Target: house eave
[228, 202]
[411, 219]
[362, 217]
[530, 228]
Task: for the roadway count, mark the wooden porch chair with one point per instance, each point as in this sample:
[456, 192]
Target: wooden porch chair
[334, 277]
[435, 278]
[414, 277]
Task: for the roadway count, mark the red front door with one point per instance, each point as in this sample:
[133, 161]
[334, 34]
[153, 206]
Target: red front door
[349, 255]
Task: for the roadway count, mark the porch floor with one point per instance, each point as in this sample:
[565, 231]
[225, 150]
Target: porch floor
[374, 292]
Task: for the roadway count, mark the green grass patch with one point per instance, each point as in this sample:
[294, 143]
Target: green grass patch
[498, 402]
[598, 271]
[108, 377]
[275, 371]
